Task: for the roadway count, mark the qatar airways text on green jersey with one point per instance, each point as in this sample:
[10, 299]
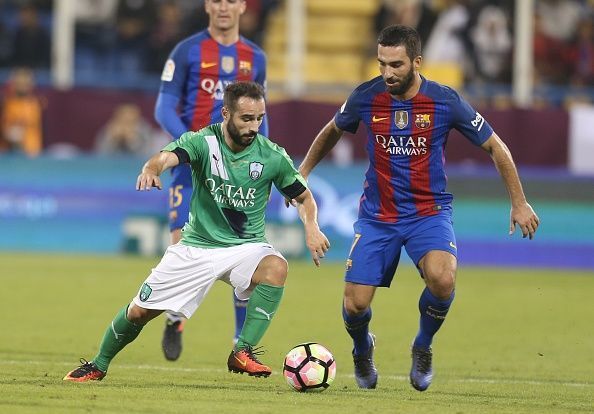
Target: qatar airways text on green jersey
[231, 189]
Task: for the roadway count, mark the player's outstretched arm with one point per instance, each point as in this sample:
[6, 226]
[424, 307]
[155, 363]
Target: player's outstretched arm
[153, 168]
[320, 147]
[521, 212]
[315, 240]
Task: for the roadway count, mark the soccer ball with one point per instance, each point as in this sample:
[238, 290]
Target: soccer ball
[309, 367]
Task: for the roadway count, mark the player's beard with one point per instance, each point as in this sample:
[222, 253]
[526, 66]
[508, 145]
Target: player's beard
[404, 85]
[242, 140]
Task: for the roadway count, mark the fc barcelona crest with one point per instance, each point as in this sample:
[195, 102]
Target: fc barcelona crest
[245, 66]
[256, 170]
[423, 121]
[228, 64]
[401, 119]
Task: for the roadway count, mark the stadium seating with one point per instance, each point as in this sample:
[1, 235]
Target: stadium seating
[338, 38]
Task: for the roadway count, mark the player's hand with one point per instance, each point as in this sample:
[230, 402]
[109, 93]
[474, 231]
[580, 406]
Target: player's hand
[146, 181]
[317, 243]
[526, 219]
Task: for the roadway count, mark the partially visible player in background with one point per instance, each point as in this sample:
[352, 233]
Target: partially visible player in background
[404, 201]
[21, 115]
[190, 98]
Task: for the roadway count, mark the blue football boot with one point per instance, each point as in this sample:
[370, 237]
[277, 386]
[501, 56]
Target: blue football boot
[421, 372]
[365, 371]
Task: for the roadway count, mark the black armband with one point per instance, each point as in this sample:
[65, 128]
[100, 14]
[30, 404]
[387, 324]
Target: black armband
[294, 190]
[182, 155]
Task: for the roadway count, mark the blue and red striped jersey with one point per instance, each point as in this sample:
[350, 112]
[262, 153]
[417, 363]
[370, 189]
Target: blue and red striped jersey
[198, 70]
[406, 145]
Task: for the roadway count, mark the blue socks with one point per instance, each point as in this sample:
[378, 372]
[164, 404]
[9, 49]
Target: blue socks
[240, 311]
[433, 312]
[358, 328]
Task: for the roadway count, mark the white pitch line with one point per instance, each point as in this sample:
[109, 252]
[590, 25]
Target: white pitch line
[392, 377]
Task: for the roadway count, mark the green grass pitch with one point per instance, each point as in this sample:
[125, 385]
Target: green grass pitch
[515, 341]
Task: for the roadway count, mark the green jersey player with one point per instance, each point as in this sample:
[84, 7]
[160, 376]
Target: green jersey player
[233, 169]
[233, 187]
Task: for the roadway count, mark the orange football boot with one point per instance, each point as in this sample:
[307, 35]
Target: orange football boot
[87, 371]
[244, 360]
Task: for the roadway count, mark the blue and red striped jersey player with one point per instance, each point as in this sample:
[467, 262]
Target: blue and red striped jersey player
[191, 98]
[405, 202]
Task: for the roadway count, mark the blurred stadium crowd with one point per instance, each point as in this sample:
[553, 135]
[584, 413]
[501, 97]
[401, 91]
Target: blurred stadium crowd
[122, 44]
[112, 36]
[478, 36]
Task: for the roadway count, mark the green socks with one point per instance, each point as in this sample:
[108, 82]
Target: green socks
[119, 334]
[262, 306]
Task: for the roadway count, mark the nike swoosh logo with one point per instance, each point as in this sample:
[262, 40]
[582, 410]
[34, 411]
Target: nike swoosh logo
[206, 65]
[377, 119]
[242, 363]
[453, 245]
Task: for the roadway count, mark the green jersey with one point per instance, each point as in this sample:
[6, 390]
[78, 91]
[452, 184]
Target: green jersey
[231, 189]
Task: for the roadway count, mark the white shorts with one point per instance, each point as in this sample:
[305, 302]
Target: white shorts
[185, 274]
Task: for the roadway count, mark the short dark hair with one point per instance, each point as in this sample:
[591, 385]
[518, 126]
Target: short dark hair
[400, 35]
[237, 90]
